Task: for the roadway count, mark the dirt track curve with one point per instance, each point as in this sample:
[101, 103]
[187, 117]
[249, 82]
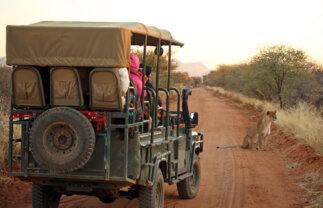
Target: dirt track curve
[230, 177]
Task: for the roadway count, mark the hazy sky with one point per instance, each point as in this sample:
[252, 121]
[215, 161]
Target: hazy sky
[214, 32]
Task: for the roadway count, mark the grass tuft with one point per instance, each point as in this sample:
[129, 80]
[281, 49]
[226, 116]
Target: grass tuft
[313, 195]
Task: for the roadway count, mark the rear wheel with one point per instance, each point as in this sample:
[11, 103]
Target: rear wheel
[189, 187]
[44, 196]
[153, 196]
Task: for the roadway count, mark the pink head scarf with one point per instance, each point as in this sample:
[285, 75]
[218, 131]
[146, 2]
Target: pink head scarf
[134, 66]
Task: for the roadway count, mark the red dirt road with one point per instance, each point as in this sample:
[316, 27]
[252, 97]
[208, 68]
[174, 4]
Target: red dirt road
[230, 177]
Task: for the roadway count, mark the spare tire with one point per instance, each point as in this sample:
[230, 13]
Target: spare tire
[62, 140]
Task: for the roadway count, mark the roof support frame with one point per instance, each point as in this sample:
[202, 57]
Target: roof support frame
[157, 80]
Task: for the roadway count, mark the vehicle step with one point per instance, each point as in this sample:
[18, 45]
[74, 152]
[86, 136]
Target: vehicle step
[182, 177]
[174, 138]
[143, 135]
[157, 142]
[148, 134]
[148, 164]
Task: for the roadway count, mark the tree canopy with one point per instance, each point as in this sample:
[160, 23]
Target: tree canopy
[277, 64]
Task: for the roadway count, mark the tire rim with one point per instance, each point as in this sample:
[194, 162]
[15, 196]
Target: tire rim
[60, 138]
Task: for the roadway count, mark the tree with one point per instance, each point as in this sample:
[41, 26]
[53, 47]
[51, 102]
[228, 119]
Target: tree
[151, 60]
[317, 89]
[277, 64]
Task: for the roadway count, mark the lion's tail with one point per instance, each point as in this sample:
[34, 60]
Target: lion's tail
[245, 144]
[230, 147]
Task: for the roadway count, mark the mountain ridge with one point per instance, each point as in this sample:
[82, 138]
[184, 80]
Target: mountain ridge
[193, 69]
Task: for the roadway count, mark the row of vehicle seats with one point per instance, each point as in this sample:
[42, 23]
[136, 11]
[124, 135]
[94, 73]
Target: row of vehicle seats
[66, 88]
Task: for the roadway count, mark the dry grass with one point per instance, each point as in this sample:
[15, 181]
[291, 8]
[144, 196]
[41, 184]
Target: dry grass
[4, 133]
[4, 104]
[304, 121]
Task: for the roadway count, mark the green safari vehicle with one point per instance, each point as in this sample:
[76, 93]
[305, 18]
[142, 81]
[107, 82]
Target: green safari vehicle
[78, 136]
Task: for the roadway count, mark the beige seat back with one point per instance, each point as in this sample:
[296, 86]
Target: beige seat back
[65, 87]
[105, 89]
[27, 87]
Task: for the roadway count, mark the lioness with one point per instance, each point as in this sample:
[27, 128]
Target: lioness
[260, 131]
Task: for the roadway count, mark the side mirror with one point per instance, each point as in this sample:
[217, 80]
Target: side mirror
[195, 118]
[161, 51]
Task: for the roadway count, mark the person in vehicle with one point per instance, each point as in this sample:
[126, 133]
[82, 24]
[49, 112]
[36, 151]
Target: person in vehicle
[148, 84]
[135, 74]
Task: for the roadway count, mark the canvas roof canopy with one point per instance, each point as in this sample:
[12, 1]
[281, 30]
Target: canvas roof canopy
[84, 44]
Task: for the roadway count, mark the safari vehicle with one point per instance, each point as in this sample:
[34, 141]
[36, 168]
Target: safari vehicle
[76, 135]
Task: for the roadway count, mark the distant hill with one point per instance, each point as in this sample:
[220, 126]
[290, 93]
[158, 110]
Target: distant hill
[3, 61]
[193, 69]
